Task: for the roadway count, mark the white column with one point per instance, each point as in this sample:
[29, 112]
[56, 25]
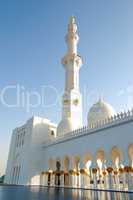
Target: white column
[82, 180]
[70, 180]
[62, 180]
[41, 179]
[78, 180]
[52, 179]
[131, 181]
[73, 180]
[88, 180]
[46, 179]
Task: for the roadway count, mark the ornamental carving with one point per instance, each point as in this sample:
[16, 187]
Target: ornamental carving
[75, 102]
[66, 101]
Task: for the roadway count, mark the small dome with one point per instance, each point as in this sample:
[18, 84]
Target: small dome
[100, 111]
[64, 126]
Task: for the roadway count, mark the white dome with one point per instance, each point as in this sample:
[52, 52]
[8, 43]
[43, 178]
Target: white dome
[64, 126]
[100, 111]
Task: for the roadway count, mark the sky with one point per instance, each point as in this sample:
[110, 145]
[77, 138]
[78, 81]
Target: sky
[31, 47]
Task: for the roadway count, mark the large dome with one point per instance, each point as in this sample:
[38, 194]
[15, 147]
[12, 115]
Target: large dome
[100, 111]
[64, 126]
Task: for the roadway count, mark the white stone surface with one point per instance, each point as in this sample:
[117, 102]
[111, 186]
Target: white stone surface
[26, 150]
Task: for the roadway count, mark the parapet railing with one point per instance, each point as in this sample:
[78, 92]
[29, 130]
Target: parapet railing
[113, 120]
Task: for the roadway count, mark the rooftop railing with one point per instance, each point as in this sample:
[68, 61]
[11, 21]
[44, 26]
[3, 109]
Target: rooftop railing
[113, 120]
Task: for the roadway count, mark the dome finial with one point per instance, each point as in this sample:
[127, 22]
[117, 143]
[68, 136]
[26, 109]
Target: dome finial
[100, 98]
[72, 20]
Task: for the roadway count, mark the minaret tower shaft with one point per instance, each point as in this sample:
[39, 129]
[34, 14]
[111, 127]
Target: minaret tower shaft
[72, 61]
[72, 101]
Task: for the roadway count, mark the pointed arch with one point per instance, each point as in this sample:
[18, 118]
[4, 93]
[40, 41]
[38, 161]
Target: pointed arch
[130, 153]
[66, 163]
[87, 160]
[116, 156]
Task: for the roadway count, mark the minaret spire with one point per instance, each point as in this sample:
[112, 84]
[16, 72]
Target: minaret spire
[72, 101]
[72, 37]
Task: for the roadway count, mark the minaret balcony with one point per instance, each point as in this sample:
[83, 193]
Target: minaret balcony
[71, 59]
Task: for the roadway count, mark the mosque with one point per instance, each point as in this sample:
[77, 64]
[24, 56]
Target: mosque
[99, 155]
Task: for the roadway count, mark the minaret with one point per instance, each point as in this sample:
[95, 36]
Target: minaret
[72, 101]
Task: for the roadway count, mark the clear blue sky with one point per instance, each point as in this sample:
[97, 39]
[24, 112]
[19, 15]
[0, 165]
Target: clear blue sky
[32, 45]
